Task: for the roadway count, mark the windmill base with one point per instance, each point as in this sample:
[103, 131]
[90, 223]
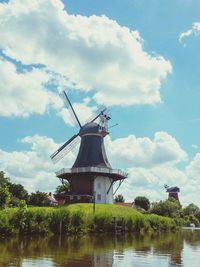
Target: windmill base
[90, 184]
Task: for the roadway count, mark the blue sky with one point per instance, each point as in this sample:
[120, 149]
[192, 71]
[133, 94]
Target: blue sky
[140, 58]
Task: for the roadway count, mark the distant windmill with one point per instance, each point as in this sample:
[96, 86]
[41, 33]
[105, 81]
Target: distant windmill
[172, 191]
[91, 176]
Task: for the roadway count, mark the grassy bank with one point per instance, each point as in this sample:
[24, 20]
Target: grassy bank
[79, 218]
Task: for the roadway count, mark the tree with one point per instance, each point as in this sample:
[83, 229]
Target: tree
[4, 196]
[142, 202]
[191, 209]
[3, 179]
[119, 198]
[18, 191]
[62, 188]
[38, 198]
[169, 208]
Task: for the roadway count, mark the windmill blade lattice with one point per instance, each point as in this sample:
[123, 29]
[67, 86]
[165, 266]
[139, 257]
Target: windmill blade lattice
[68, 148]
[56, 156]
[97, 113]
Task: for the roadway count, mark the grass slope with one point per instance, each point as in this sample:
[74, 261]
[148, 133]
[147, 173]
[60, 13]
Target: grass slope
[79, 218]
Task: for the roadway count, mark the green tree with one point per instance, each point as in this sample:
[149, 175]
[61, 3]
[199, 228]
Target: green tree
[142, 202]
[20, 217]
[169, 208]
[3, 179]
[38, 198]
[191, 209]
[198, 215]
[18, 191]
[4, 196]
[119, 198]
[62, 188]
[191, 219]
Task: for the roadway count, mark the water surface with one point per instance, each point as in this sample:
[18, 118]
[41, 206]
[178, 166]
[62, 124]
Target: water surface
[161, 250]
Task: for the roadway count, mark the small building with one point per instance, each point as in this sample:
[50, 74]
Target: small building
[172, 192]
[51, 200]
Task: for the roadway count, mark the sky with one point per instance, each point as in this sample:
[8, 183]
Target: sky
[139, 58]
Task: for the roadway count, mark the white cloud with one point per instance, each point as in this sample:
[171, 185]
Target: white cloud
[22, 94]
[194, 31]
[94, 53]
[33, 168]
[83, 111]
[193, 169]
[25, 93]
[150, 182]
[194, 146]
[144, 152]
[153, 163]
[142, 180]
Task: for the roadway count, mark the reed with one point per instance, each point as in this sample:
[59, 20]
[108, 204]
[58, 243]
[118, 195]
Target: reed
[79, 218]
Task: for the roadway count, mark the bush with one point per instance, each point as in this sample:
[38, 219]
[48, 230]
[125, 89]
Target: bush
[19, 221]
[119, 198]
[142, 202]
[168, 208]
[6, 222]
[59, 222]
[77, 222]
[38, 198]
[4, 196]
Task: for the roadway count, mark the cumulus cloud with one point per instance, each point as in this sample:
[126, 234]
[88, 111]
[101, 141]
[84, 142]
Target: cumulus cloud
[33, 168]
[95, 53]
[193, 31]
[151, 163]
[144, 152]
[193, 169]
[83, 110]
[24, 93]
[150, 182]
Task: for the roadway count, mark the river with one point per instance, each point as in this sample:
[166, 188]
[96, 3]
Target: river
[130, 250]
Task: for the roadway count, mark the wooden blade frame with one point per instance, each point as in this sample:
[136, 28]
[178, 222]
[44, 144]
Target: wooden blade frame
[58, 152]
[73, 111]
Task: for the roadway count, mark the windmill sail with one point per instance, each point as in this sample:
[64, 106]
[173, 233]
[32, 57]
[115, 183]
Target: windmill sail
[65, 148]
[97, 113]
[71, 109]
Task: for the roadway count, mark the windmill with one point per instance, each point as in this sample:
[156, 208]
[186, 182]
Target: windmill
[91, 176]
[172, 191]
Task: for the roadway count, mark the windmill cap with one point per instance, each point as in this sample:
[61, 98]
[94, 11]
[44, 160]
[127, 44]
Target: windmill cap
[90, 128]
[173, 189]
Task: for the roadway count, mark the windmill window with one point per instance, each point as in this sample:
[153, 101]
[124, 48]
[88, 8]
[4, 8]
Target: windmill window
[99, 185]
[99, 197]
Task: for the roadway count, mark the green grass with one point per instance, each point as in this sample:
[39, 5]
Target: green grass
[79, 218]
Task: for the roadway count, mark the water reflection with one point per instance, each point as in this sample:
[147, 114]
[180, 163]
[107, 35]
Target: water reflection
[103, 250]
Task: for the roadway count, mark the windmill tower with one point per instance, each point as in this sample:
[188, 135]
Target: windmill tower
[91, 177]
[172, 191]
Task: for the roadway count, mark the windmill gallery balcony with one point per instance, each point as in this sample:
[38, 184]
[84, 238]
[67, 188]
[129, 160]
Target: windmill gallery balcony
[114, 173]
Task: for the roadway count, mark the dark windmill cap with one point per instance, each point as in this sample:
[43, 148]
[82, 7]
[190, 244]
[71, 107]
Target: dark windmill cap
[89, 128]
[173, 189]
